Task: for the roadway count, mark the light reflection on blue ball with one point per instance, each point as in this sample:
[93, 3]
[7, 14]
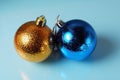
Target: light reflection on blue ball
[76, 39]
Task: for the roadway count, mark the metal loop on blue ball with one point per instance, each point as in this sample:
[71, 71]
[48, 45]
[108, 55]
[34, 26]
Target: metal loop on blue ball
[58, 24]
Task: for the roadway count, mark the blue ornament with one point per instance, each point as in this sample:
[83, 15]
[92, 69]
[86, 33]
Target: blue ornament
[76, 39]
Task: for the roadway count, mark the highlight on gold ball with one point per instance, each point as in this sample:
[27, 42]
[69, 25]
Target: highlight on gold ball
[32, 40]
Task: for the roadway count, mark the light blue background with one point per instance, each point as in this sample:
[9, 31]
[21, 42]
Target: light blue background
[103, 15]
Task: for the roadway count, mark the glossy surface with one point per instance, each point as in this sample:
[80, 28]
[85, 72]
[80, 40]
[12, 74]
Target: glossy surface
[76, 39]
[32, 42]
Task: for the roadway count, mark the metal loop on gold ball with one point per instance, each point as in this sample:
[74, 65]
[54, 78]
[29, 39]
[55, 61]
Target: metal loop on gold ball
[41, 21]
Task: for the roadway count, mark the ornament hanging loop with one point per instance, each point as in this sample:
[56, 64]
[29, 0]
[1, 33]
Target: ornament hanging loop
[41, 21]
[59, 22]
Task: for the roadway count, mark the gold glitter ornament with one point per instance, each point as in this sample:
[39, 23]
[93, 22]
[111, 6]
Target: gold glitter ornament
[32, 40]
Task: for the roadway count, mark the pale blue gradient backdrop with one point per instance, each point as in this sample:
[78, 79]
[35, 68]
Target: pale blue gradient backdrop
[103, 15]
